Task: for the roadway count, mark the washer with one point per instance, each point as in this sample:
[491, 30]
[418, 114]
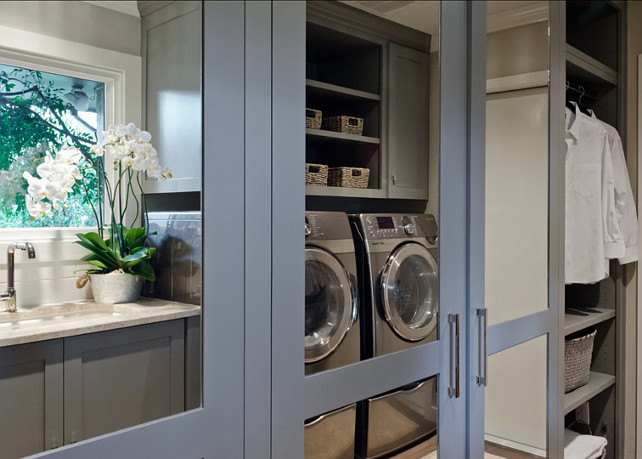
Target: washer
[397, 258]
[332, 334]
[399, 278]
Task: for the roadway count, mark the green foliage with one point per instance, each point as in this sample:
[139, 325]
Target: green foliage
[108, 255]
[32, 121]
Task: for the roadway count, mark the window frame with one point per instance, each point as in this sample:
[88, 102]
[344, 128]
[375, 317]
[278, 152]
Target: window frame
[120, 72]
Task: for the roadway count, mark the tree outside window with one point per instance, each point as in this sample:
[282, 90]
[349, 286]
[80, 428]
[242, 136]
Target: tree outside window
[41, 112]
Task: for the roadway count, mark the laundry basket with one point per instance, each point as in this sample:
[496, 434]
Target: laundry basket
[577, 354]
[345, 124]
[316, 174]
[313, 118]
[348, 177]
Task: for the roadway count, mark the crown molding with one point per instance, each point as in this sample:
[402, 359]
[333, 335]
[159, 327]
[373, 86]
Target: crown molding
[126, 7]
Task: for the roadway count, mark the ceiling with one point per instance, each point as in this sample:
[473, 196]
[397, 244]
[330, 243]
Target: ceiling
[424, 15]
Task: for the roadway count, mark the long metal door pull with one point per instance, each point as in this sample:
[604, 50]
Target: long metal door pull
[454, 388]
[482, 378]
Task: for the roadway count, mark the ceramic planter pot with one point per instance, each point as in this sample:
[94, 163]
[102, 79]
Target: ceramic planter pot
[115, 287]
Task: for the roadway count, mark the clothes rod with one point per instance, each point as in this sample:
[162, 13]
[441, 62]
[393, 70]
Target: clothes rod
[581, 91]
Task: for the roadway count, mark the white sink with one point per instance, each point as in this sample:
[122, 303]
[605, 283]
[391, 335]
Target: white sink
[20, 320]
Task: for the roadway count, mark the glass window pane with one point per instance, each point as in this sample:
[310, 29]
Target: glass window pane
[516, 252]
[41, 112]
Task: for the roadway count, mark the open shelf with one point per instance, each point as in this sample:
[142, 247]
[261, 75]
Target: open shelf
[320, 135]
[312, 190]
[319, 88]
[577, 319]
[598, 382]
[582, 66]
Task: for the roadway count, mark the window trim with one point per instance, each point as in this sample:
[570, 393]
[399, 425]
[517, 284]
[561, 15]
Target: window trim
[120, 72]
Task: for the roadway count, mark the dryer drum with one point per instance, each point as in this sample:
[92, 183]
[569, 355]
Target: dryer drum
[409, 291]
[329, 307]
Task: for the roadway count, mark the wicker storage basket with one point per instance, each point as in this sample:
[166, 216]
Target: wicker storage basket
[313, 118]
[349, 177]
[345, 124]
[316, 174]
[577, 354]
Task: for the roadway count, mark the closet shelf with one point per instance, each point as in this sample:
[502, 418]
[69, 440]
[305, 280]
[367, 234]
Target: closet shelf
[319, 88]
[581, 66]
[598, 382]
[580, 318]
[320, 135]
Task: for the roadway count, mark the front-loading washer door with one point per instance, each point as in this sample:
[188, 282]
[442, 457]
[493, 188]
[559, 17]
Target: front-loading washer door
[330, 303]
[409, 291]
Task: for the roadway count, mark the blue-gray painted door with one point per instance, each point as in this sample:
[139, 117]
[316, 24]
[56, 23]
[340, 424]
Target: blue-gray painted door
[296, 397]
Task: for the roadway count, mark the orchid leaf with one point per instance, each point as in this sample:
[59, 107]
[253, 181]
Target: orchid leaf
[144, 270]
[97, 263]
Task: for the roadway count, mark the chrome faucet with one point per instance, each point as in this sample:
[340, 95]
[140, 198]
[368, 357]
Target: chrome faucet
[10, 295]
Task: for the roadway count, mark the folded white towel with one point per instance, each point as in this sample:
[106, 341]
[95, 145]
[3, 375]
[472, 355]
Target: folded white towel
[578, 446]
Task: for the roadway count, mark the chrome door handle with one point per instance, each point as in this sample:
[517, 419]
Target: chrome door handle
[453, 388]
[482, 313]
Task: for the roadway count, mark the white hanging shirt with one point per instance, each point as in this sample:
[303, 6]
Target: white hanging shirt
[592, 233]
[626, 214]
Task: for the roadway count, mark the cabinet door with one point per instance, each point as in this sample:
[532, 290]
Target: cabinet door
[120, 378]
[408, 123]
[31, 398]
[171, 47]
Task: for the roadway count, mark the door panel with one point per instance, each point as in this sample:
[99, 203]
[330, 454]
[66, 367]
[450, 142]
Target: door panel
[516, 399]
[297, 397]
[516, 204]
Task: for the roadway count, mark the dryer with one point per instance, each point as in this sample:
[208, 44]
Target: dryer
[332, 334]
[399, 278]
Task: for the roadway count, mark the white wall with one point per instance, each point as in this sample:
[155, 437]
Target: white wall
[75, 21]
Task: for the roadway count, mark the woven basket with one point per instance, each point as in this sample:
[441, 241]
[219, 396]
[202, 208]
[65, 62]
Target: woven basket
[577, 353]
[316, 174]
[312, 118]
[345, 124]
[348, 177]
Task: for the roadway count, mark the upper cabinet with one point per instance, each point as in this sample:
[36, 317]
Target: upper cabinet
[171, 51]
[408, 122]
[369, 79]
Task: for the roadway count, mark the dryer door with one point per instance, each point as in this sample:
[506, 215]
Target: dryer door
[330, 303]
[409, 282]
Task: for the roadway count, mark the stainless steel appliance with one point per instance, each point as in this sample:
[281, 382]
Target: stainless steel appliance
[332, 335]
[399, 278]
[392, 421]
[331, 435]
[397, 258]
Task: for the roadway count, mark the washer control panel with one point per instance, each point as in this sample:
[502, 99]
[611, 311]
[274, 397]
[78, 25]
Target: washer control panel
[384, 227]
[327, 226]
[398, 226]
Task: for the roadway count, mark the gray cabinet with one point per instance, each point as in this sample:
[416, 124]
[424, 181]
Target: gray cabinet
[408, 79]
[61, 391]
[31, 398]
[120, 378]
[171, 51]
[363, 66]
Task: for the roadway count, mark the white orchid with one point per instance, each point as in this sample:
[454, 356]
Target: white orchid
[127, 146]
[37, 208]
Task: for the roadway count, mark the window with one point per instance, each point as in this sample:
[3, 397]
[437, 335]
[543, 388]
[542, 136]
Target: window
[41, 112]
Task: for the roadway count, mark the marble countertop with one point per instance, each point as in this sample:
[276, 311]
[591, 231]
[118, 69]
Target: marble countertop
[41, 323]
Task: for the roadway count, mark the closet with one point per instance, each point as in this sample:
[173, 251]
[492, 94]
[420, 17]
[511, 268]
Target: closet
[594, 76]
